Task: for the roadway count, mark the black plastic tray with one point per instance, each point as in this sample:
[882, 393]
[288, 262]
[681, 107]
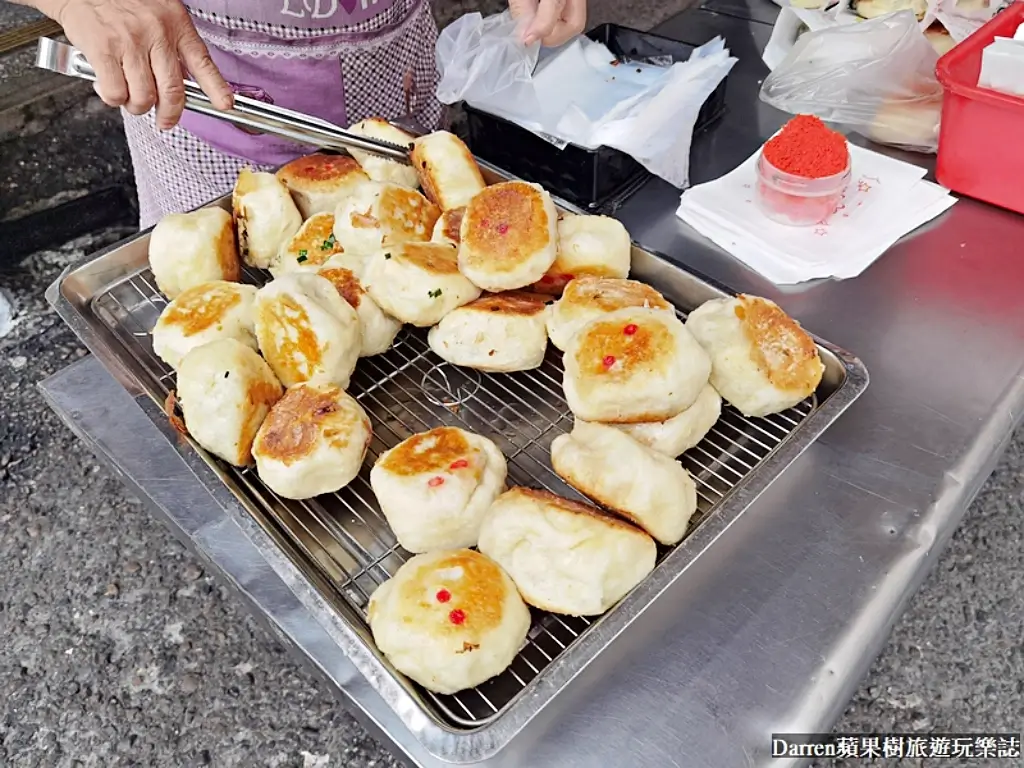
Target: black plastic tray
[596, 179]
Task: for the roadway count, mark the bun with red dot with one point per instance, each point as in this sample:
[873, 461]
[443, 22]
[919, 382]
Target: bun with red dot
[449, 620]
[508, 238]
[435, 487]
[633, 365]
[587, 298]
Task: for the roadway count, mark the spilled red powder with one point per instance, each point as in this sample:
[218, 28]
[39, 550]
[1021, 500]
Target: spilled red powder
[807, 147]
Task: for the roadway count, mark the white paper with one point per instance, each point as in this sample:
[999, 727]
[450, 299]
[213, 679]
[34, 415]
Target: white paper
[885, 200]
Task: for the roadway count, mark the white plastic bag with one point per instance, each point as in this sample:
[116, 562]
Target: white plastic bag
[482, 59]
[581, 93]
[657, 130]
[876, 77]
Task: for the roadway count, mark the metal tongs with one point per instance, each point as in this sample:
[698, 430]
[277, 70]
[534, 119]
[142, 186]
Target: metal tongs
[248, 113]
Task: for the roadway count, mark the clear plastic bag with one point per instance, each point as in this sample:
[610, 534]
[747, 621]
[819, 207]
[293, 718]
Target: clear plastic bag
[481, 59]
[578, 94]
[876, 77]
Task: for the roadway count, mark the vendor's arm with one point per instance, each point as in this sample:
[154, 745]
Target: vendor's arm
[553, 22]
[138, 48]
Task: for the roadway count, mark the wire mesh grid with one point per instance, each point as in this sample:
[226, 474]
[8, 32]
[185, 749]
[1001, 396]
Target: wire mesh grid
[409, 389]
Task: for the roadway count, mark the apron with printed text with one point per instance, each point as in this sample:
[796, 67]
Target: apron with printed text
[339, 60]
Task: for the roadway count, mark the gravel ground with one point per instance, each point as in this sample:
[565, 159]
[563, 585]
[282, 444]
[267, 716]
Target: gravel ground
[116, 649]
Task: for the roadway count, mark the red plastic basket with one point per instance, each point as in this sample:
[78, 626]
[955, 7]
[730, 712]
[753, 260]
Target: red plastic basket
[981, 151]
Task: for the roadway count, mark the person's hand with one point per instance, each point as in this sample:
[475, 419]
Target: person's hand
[141, 50]
[553, 22]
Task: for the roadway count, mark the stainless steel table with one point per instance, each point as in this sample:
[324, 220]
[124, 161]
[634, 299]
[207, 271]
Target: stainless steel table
[775, 629]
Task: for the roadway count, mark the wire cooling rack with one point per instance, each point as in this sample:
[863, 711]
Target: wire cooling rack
[409, 389]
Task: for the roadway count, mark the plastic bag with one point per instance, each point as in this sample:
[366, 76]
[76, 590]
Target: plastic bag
[482, 59]
[577, 93]
[657, 130]
[876, 77]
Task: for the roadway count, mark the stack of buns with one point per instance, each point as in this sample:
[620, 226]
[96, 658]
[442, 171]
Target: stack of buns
[360, 246]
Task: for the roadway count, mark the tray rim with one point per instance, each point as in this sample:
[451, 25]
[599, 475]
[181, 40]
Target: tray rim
[447, 743]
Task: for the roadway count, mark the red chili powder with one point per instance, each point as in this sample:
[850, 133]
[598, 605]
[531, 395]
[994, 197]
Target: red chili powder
[807, 147]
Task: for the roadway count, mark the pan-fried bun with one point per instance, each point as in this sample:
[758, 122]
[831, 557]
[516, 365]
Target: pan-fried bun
[497, 332]
[380, 215]
[907, 123]
[763, 362]
[564, 556]
[587, 298]
[418, 283]
[449, 620]
[633, 365]
[871, 9]
[313, 441]
[381, 168]
[319, 182]
[509, 236]
[306, 331]
[225, 390]
[680, 433]
[446, 230]
[588, 246]
[378, 328]
[634, 481]
[447, 171]
[310, 247]
[204, 313]
[265, 216]
[435, 487]
[189, 249]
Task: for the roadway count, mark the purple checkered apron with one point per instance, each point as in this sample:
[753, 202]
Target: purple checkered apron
[340, 60]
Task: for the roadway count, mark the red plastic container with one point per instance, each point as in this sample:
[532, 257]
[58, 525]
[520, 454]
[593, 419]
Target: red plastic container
[981, 137]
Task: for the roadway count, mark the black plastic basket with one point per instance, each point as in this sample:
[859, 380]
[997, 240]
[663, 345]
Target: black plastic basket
[594, 179]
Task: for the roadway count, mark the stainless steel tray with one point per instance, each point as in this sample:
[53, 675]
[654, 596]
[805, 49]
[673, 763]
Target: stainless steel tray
[339, 545]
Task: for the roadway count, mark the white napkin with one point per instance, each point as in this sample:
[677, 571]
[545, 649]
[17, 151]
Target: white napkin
[885, 200]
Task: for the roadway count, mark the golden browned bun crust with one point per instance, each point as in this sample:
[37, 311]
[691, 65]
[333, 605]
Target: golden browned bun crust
[431, 451]
[779, 346]
[480, 590]
[520, 303]
[320, 172]
[295, 423]
[449, 225]
[348, 285]
[201, 306]
[502, 223]
[406, 215]
[573, 507]
[447, 170]
[609, 294]
[609, 350]
[296, 355]
[313, 244]
[430, 257]
[227, 255]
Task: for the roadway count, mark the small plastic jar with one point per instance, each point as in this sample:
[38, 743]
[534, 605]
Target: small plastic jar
[797, 200]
